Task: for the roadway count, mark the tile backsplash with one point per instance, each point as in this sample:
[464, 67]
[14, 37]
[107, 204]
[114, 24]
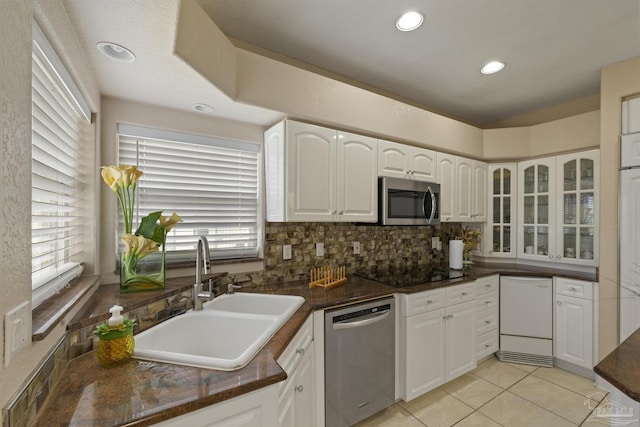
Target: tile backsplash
[381, 247]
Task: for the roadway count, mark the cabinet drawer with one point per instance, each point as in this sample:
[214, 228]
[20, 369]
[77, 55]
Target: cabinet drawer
[487, 344]
[460, 293]
[486, 321]
[574, 288]
[485, 285]
[487, 302]
[423, 302]
[291, 356]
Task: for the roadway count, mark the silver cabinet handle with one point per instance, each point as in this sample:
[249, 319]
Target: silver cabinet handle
[300, 351]
[488, 322]
[559, 302]
[464, 294]
[450, 316]
[487, 286]
[299, 389]
[572, 289]
[341, 213]
[429, 301]
[487, 345]
[334, 213]
[558, 256]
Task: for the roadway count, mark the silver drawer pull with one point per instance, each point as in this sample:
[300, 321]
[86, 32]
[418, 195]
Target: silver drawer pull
[429, 301]
[488, 322]
[487, 286]
[572, 289]
[299, 388]
[487, 345]
[487, 302]
[300, 351]
[464, 294]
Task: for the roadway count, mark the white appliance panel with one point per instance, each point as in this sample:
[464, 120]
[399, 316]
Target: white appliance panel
[526, 307]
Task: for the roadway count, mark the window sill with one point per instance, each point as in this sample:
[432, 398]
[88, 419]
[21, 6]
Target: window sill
[50, 313]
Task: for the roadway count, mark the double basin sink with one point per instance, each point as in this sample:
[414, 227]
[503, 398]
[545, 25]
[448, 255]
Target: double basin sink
[226, 334]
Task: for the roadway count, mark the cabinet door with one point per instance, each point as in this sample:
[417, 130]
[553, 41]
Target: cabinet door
[311, 172]
[423, 165]
[393, 159]
[460, 339]
[631, 116]
[501, 240]
[463, 188]
[357, 165]
[446, 178]
[536, 213]
[424, 353]
[577, 209]
[574, 331]
[479, 192]
[630, 253]
[304, 390]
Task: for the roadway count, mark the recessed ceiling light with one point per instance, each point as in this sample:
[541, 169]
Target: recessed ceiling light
[409, 21]
[492, 67]
[203, 108]
[116, 51]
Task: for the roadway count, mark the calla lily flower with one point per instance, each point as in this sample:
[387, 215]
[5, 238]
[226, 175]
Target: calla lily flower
[138, 246]
[168, 223]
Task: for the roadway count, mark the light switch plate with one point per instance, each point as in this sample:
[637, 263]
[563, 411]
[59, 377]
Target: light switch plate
[319, 249]
[286, 252]
[356, 248]
[17, 331]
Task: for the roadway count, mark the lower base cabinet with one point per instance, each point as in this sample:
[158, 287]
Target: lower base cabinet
[255, 409]
[296, 395]
[437, 338]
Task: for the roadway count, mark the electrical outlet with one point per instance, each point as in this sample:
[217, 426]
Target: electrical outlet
[286, 251]
[356, 248]
[434, 242]
[319, 249]
[17, 331]
[439, 246]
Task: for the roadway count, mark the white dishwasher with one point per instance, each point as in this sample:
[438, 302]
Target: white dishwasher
[526, 320]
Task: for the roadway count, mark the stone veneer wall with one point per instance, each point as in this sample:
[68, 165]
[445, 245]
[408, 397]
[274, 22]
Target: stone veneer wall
[381, 247]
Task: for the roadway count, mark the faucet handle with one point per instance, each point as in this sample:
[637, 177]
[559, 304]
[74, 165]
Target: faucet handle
[231, 288]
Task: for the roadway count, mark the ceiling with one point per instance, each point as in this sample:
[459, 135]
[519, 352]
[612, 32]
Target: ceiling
[553, 49]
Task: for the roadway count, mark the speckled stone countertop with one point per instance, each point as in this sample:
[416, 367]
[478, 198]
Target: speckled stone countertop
[622, 367]
[141, 393]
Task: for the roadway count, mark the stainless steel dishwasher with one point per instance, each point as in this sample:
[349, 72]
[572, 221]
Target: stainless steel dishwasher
[359, 361]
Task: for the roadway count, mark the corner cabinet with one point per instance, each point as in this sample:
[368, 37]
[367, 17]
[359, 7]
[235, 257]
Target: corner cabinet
[558, 208]
[463, 189]
[319, 174]
[404, 161]
[501, 240]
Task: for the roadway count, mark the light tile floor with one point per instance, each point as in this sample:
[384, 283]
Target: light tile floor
[501, 394]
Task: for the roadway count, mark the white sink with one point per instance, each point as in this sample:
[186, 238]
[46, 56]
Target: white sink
[225, 335]
[269, 304]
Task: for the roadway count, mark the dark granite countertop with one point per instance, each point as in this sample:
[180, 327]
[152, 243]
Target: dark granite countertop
[621, 367]
[141, 393]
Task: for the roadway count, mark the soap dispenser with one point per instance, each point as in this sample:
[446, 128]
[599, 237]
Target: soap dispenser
[116, 339]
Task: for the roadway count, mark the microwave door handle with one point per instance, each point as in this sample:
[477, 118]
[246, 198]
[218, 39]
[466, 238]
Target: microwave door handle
[432, 211]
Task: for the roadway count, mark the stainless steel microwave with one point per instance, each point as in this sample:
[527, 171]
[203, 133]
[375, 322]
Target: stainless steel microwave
[408, 202]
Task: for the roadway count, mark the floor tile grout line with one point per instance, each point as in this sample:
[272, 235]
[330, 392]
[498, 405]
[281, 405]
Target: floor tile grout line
[566, 388]
[412, 415]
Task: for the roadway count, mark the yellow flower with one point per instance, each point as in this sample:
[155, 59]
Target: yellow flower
[130, 175]
[111, 176]
[168, 223]
[138, 245]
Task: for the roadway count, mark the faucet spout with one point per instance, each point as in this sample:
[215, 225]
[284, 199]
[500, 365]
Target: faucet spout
[203, 265]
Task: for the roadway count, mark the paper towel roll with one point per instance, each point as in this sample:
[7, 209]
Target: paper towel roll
[456, 247]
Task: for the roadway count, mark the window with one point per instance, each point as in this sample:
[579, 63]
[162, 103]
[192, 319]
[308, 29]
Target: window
[57, 113]
[212, 183]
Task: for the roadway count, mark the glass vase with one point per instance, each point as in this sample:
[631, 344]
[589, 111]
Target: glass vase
[146, 274]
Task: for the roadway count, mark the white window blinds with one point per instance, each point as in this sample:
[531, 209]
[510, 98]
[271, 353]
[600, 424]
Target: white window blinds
[55, 219]
[211, 183]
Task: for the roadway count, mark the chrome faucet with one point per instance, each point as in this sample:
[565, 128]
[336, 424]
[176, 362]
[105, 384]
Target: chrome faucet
[203, 264]
[231, 288]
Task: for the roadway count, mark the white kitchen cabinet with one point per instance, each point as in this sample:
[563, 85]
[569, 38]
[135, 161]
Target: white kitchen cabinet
[487, 316]
[296, 395]
[463, 184]
[558, 208]
[574, 322]
[631, 116]
[437, 338]
[319, 174]
[446, 178]
[255, 409]
[405, 161]
[501, 240]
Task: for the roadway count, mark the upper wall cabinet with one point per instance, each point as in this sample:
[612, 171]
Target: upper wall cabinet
[631, 116]
[558, 208]
[319, 174]
[463, 194]
[404, 161]
[502, 209]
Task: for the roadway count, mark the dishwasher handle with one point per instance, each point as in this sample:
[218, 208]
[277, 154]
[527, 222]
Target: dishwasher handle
[381, 315]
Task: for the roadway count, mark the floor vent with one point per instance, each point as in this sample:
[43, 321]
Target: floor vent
[525, 358]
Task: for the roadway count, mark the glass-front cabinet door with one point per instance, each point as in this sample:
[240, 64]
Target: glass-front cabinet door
[501, 235]
[536, 181]
[577, 210]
